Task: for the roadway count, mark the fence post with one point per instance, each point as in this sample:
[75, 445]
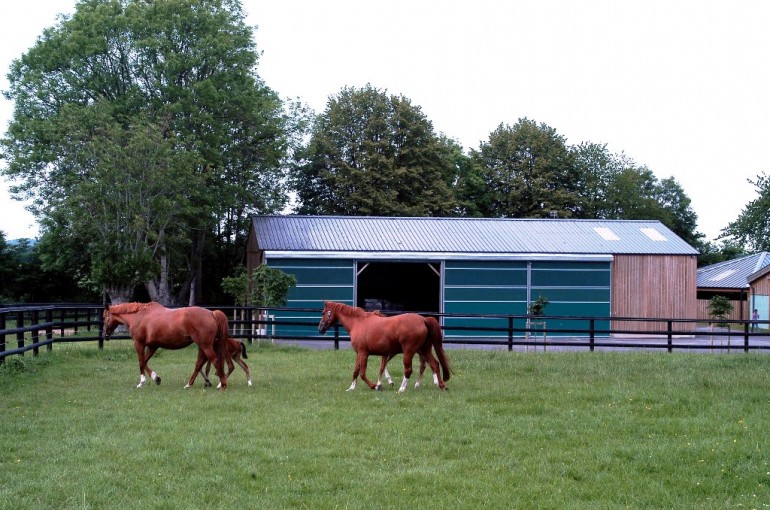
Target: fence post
[248, 313]
[101, 328]
[670, 338]
[510, 333]
[2, 337]
[592, 333]
[337, 336]
[20, 334]
[49, 328]
[35, 319]
[746, 337]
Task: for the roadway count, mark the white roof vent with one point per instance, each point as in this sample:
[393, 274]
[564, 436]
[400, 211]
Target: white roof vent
[653, 234]
[606, 233]
[723, 275]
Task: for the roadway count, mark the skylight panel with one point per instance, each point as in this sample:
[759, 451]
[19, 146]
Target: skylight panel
[723, 275]
[606, 234]
[653, 234]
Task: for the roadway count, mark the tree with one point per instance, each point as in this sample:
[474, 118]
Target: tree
[159, 103]
[719, 308]
[615, 187]
[752, 227]
[713, 253]
[527, 171]
[374, 154]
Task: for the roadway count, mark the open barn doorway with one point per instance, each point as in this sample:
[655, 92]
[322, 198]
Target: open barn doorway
[399, 286]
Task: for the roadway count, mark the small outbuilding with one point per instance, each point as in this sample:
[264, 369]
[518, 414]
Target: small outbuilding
[740, 280]
[480, 266]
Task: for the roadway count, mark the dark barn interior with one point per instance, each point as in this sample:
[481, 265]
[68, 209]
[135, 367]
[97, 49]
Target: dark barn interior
[399, 286]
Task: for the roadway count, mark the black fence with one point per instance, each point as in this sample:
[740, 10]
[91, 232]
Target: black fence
[30, 328]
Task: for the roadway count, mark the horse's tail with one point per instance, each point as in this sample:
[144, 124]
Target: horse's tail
[436, 337]
[223, 333]
[243, 350]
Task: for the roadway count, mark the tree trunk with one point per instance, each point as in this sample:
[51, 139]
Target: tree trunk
[196, 268]
[159, 289]
[118, 293]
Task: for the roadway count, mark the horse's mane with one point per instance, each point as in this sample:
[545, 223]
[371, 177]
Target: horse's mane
[347, 310]
[130, 307]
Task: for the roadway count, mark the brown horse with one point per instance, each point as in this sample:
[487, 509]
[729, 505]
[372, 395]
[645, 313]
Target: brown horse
[153, 326]
[371, 333]
[236, 351]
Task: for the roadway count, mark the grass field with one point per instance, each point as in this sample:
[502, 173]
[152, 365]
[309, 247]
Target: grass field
[515, 430]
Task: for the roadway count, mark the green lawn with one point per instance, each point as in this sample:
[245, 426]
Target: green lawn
[515, 430]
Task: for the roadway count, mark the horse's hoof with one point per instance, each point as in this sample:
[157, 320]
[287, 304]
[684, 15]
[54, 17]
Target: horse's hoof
[187, 386]
[207, 384]
[378, 387]
[157, 381]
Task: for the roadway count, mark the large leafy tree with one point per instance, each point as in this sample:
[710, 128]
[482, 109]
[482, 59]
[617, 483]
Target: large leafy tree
[371, 153]
[752, 227]
[527, 171]
[141, 129]
[614, 187]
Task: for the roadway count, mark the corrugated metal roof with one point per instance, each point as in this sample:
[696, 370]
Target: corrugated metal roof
[465, 235]
[732, 274]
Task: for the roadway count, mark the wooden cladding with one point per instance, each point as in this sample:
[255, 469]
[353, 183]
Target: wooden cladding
[653, 286]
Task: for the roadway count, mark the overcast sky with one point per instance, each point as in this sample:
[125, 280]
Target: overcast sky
[682, 87]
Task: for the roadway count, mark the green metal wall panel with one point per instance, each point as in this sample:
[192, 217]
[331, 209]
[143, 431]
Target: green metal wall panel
[318, 280]
[573, 288]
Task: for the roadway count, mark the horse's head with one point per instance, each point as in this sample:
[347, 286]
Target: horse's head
[327, 318]
[110, 323]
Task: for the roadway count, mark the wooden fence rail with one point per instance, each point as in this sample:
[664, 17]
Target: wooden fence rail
[33, 327]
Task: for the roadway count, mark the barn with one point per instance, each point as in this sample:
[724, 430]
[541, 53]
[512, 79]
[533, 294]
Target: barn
[480, 266]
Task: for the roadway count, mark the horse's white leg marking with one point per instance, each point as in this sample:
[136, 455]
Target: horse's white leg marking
[219, 386]
[142, 380]
[435, 379]
[387, 376]
[404, 384]
[352, 386]
[187, 386]
[154, 375]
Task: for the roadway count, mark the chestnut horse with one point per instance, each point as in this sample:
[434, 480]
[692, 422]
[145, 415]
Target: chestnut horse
[153, 326]
[236, 351]
[371, 333]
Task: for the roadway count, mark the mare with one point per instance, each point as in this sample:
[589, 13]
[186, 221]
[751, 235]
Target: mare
[373, 334]
[236, 351]
[153, 326]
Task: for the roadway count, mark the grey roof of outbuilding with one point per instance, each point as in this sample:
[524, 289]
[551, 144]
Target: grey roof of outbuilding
[465, 235]
[732, 274]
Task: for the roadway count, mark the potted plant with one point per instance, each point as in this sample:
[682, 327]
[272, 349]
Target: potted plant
[537, 307]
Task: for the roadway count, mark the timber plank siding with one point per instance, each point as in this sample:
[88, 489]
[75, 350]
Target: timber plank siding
[654, 286]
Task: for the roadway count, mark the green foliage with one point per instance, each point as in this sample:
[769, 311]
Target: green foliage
[537, 307]
[713, 253]
[614, 187]
[527, 171]
[24, 276]
[719, 307]
[374, 154]
[751, 229]
[585, 430]
[141, 127]
[269, 286]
